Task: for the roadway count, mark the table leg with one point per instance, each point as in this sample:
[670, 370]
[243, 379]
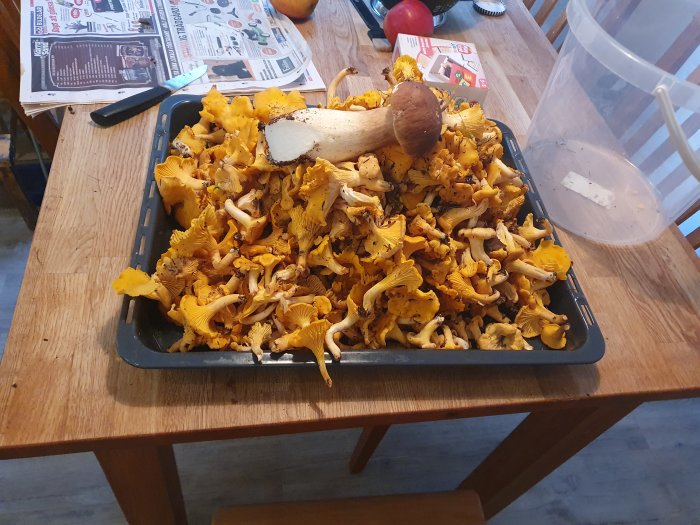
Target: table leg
[145, 482]
[366, 445]
[541, 443]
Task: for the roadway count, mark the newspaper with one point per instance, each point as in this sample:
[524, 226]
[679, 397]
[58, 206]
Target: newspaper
[88, 51]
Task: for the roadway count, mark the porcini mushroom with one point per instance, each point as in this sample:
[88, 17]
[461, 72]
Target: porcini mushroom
[413, 119]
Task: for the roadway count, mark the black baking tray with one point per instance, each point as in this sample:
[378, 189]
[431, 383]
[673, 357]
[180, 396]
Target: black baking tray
[144, 333]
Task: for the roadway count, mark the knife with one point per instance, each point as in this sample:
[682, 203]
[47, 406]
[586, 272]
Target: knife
[131, 106]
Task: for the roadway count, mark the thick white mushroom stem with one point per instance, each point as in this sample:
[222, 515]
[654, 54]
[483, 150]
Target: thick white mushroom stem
[413, 119]
[350, 319]
[333, 86]
[422, 338]
[331, 134]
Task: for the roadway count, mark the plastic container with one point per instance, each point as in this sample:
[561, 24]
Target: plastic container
[609, 143]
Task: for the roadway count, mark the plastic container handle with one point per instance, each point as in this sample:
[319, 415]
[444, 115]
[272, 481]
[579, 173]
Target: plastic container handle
[680, 141]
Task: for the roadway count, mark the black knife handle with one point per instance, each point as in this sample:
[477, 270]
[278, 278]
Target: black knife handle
[124, 109]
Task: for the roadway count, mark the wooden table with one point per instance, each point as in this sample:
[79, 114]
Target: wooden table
[64, 389]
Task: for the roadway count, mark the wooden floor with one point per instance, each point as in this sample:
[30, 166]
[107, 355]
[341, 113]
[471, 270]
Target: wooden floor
[646, 470]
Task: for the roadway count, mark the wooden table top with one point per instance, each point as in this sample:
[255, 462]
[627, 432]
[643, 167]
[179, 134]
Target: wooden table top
[63, 387]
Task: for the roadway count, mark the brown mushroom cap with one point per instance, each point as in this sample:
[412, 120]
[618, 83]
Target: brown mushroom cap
[417, 117]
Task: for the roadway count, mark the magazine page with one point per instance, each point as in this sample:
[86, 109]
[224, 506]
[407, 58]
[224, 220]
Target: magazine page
[87, 51]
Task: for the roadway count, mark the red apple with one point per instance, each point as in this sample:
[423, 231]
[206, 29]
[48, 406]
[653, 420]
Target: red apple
[411, 17]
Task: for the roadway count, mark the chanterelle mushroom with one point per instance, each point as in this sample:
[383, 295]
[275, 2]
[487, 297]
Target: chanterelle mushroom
[534, 316]
[529, 232]
[137, 283]
[404, 274]
[387, 239]
[476, 237]
[323, 256]
[251, 228]
[451, 218]
[520, 266]
[413, 119]
[501, 336]
[422, 338]
[552, 258]
[554, 335]
[299, 315]
[198, 317]
[311, 337]
[349, 320]
[257, 336]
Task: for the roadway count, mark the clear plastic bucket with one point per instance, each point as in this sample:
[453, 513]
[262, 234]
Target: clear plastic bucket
[613, 145]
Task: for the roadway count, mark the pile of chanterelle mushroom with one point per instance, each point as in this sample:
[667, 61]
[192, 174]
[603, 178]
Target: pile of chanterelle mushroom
[384, 220]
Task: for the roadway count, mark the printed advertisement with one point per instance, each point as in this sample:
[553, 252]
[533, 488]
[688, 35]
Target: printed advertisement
[87, 51]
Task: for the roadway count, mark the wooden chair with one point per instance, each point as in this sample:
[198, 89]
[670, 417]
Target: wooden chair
[541, 14]
[460, 507]
[43, 127]
[693, 236]
[8, 182]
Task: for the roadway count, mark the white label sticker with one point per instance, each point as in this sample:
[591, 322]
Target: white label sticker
[588, 189]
